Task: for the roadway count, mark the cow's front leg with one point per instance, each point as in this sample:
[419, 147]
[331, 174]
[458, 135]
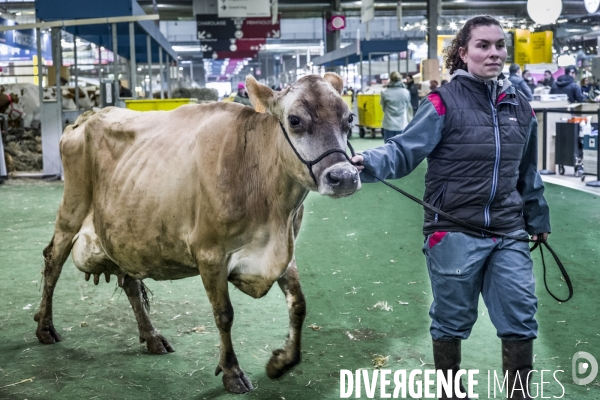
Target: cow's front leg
[285, 359]
[214, 278]
[155, 342]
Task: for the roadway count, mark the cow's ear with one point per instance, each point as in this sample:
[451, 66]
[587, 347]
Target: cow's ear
[259, 94]
[335, 80]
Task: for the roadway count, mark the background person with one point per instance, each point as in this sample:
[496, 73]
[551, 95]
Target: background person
[414, 92]
[529, 80]
[548, 78]
[485, 173]
[241, 96]
[565, 84]
[123, 91]
[395, 101]
[518, 82]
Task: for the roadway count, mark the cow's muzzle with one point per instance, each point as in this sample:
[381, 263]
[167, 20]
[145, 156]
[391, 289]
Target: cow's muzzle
[339, 180]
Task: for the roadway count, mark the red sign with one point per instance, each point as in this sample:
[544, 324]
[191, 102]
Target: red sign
[259, 28]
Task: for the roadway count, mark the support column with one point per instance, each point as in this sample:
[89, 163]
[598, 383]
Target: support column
[431, 67]
[149, 53]
[76, 72]
[169, 76]
[132, 63]
[161, 77]
[115, 50]
[332, 39]
[57, 61]
[38, 38]
[191, 73]
[433, 16]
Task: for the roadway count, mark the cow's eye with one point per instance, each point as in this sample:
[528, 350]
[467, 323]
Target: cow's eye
[351, 119]
[294, 121]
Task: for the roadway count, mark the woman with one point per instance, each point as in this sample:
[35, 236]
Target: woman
[480, 138]
[395, 101]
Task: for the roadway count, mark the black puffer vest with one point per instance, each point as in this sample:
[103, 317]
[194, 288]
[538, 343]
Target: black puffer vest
[472, 173]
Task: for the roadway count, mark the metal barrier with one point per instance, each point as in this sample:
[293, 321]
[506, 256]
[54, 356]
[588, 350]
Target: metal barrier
[545, 112]
[3, 167]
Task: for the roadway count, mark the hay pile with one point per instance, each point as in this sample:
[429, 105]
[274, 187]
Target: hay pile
[23, 150]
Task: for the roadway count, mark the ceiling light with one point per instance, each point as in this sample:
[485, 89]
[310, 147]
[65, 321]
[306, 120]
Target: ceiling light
[544, 12]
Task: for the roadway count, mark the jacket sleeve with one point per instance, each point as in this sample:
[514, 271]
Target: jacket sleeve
[531, 187]
[401, 154]
[523, 87]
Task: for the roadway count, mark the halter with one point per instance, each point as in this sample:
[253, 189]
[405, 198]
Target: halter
[309, 164]
[12, 109]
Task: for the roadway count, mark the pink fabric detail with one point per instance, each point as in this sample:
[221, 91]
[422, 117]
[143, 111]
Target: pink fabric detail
[501, 97]
[436, 100]
[495, 240]
[435, 238]
[532, 113]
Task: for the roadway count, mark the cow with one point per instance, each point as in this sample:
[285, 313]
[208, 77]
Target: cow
[29, 100]
[213, 189]
[10, 105]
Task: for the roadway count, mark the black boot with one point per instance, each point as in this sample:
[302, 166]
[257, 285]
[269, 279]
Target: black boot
[517, 363]
[446, 356]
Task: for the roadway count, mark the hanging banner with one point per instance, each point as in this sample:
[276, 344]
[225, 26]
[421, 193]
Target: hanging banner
[209, 26]
[541, 47]
[367, 11]
[21, 45]
[244, 8]
[522, 46]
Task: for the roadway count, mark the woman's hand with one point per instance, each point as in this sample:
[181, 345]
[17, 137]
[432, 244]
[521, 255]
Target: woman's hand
[544, 237]
[357, 161]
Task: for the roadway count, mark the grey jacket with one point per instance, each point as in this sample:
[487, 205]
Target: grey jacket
[395, 101]
[510, 184]
[520, 84]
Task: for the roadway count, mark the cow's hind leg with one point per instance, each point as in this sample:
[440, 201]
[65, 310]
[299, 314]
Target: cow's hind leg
[156, 343]
[55, 255]
[285, 359]
[214, 278]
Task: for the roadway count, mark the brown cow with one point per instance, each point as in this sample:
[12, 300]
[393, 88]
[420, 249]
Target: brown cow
[213, 189]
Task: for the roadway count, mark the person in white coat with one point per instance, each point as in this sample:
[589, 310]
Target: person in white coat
[395, 101]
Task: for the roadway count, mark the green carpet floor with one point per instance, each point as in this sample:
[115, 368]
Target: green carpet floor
[352, 254]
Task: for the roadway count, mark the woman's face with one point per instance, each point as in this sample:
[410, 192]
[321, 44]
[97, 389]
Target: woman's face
[486, 52]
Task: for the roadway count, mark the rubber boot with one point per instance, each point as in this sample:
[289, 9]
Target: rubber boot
[446, 356]
[517, 356]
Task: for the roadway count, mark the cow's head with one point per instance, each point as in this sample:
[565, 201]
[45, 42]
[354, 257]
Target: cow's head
[316, 120]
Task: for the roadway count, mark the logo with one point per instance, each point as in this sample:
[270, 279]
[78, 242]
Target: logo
[583, 367]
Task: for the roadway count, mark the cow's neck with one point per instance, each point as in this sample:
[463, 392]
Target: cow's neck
[266, 157]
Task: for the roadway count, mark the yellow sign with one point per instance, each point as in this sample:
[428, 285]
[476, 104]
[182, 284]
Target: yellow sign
[444, 41]
[541, 47]
[522, 46]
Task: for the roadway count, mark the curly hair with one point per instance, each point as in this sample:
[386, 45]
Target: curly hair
[452, 59]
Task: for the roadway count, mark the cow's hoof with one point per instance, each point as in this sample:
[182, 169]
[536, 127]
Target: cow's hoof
[235, 381]
[157, 344]
[280, 363]
[48, 335]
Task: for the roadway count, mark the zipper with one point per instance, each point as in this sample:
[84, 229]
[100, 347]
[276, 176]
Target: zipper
[438, 196]
[486, 211]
